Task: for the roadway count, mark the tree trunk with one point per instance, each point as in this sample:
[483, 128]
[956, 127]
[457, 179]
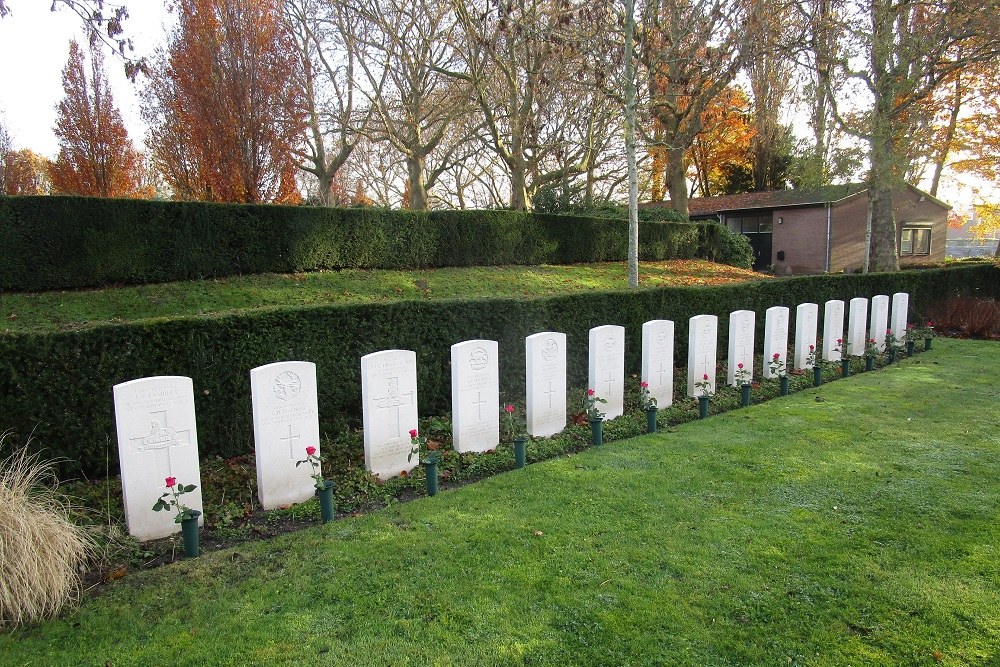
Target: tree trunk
[415, 177]
[633, 175]
[519, 200]
[676, 182]
[882, 183]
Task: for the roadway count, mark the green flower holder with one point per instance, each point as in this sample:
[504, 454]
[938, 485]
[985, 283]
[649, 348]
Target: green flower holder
[702, 407]
[189, 534]
[597, 431]
[892, 355]
[869, 363]
[519, 453]
[783, 381]
[745, 395]
[909, 348]
[325, 496]
[817, 376]
[845, 367]
[927, 343]
[431, 471]
[651, 420]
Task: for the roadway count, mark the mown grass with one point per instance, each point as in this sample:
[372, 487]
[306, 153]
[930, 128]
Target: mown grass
[854, 524]
[74, 309]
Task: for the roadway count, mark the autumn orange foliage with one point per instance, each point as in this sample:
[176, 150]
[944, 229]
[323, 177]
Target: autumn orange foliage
[225, 109]
[25, 173]
[96, 157]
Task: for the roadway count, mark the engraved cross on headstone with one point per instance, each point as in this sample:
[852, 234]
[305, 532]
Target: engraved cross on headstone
[611, 380]
[393, 400]
[550, 392]
[290, 441]
[479, 403]
[660, 373]
[161, 441]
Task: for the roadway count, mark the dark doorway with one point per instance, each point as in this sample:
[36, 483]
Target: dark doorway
[758, 230]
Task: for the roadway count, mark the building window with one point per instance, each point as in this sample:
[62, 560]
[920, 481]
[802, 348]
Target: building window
[915, 241]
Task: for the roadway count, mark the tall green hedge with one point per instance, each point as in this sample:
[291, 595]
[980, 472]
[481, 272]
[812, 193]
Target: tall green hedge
[59, 384]
[73, 242]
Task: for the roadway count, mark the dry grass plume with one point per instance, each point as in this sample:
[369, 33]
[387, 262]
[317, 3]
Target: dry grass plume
[41, 549]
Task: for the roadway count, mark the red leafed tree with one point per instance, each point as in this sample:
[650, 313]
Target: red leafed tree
[96, 157]
[224, 107]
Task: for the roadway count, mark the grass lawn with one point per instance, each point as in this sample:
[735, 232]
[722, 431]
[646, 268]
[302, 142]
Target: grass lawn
[75, 309]
[860, 529]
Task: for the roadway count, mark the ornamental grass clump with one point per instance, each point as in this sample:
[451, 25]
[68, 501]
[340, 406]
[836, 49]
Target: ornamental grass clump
[41, 549]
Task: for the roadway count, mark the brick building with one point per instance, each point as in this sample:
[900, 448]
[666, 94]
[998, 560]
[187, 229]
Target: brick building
[822, 230]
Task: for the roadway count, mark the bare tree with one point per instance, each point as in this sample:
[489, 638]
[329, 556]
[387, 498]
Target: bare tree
[692, 49]
[518, 57]
[406, 51]
[910, 48]
[6, 151]
[768, 66]
[336, 112]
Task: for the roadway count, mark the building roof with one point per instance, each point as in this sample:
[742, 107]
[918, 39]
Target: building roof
[829, 194]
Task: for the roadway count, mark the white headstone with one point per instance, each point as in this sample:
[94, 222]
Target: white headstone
[157, 438]
[545, 368]
[775, 338]
[703, 334]
[900, 316]
[806, 320]
[389, 409]
[475, 396]
[285, 422]
[658, 360]
[742, 327]
[606, 368]
[879, 320]
[833, 329]
[857, 327]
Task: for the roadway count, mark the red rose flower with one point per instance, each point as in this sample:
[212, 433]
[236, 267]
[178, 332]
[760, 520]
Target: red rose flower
[812, 347]
[705, 377]
[509, 408]
[777, 355]
[644, 385]
[740, 365]
[413, 432]
[590, 392]
[310, 450]
[171, 481]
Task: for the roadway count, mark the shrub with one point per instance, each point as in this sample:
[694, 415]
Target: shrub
[59, 384]
[41, 550]
[73, 242]
[965, 316]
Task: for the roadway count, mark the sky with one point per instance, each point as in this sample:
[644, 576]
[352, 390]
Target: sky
[34, 47]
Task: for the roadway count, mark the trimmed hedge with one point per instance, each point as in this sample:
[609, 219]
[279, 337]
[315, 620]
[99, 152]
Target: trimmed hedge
[59, 384]
[74, 242]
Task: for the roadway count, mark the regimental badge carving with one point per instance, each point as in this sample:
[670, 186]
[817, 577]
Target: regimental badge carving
[287, 385]
[479, 358]
[550, 349]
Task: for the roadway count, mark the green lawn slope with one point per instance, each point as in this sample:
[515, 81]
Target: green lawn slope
[74, 309]
[854, 524]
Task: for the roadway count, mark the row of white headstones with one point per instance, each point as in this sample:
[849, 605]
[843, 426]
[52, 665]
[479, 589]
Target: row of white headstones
[157, 434]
